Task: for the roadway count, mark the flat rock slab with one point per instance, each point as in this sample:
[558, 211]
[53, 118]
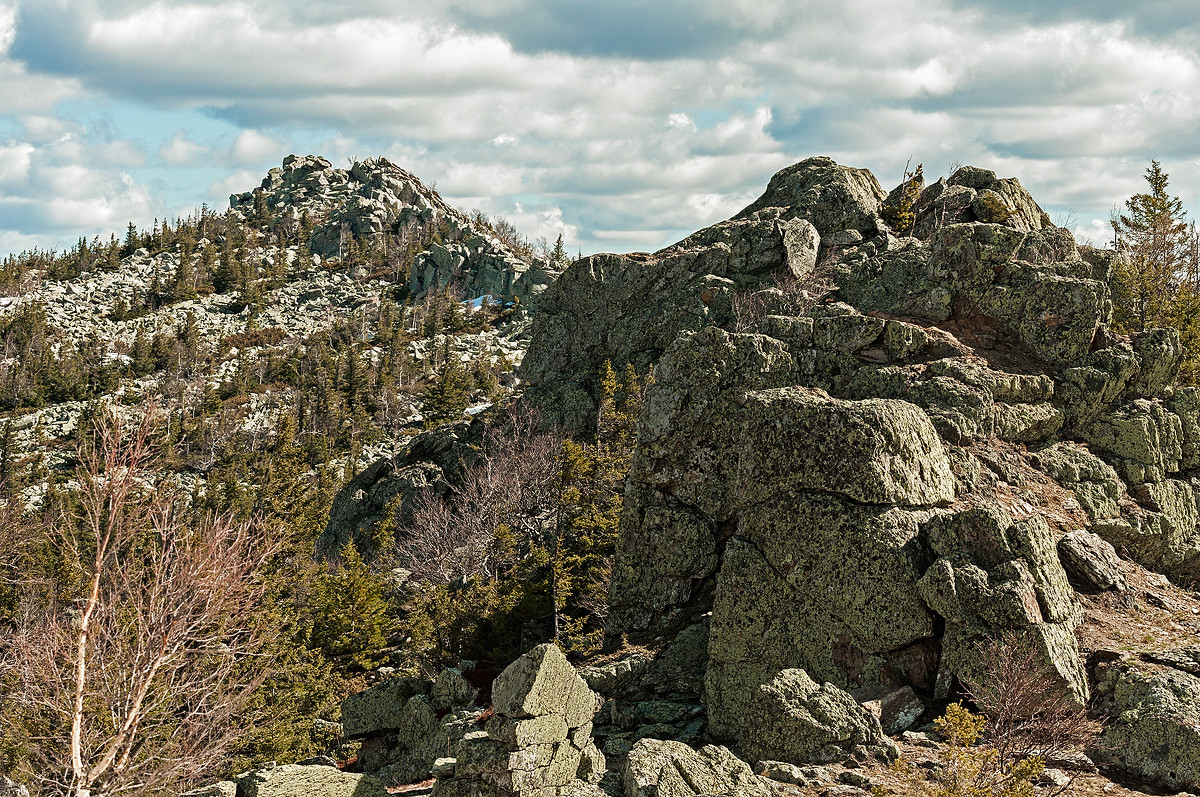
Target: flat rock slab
[293, 780]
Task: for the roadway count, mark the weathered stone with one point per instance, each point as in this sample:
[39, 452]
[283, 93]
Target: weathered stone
[379, 708]
[629, 309]
[1186, 659]
[875, 451]
[831, 196]
[998, 579]
[1097, 486]
[222, 788]
[1142, 440]
[292, 780]
[1186, 405]
[452, 689]
[543, 682]
[783, 772]
[659, 768]
[794, 719]
[849, 611]
[419, 738]
[1091, 562]
[681, 665]
[1026, 423]
[1154, 732]
[1159, 353]
[896, 709]
[546, 729]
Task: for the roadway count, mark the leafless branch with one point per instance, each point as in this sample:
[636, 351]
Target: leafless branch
[140, 675]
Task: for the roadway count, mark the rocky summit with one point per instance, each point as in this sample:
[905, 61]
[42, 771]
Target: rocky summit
[868, 455]
[864, 454]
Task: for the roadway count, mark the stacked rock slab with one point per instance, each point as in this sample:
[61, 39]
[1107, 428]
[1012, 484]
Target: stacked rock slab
[538, 740]
[851, 485]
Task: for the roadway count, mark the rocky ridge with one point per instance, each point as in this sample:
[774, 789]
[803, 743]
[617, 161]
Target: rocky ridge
[886, 468]
[314, 294]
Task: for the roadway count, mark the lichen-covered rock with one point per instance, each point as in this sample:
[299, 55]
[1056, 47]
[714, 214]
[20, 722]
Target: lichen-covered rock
[831, 196]
[380, 708]
[997, 579]
[660, 768]
[854, 617]
[222, 788]
[1091, 563]
[974, 194]
[1096, 485]
[1154, 730]
[538, 740]
[543, 682]
[293, 780]
[630, 308]
[418, 738]
[873, 451]
[1142, 440]
[452, 689]
[794, 719]
[1027, 423]
[896, 709]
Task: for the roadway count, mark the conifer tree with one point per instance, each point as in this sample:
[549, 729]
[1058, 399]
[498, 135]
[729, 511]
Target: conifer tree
[1150, 241]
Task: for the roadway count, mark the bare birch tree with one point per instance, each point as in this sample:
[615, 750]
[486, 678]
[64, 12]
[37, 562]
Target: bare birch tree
[136, 678]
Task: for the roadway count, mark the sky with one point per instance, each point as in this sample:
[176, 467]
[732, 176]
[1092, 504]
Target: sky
[620, 125]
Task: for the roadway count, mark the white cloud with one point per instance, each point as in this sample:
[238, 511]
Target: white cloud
[182, 151]
[252, 146]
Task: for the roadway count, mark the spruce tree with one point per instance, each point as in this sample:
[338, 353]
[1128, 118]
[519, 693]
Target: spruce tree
[1150, 240]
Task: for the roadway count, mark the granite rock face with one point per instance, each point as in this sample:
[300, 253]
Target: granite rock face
[839, 481]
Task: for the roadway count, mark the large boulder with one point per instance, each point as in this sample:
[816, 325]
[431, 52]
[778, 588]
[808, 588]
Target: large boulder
[1154, 731]
[830, 196]
[660, 768]
[797, 720]
[380, 708]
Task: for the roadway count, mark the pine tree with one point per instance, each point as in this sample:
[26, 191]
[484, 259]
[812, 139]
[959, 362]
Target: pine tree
[1150, 240]
[558, 255]
[448, 395]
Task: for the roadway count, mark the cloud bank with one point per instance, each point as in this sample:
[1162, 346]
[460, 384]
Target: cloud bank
[619, 125]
